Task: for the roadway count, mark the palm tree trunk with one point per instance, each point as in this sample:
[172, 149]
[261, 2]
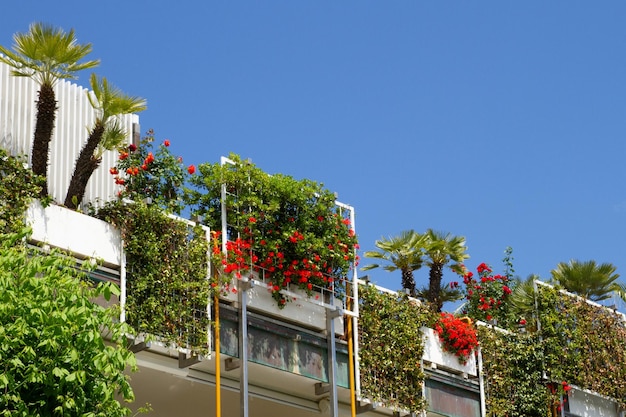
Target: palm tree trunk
[408, 282]
[46, 113]
[434, 287]
[86, 164]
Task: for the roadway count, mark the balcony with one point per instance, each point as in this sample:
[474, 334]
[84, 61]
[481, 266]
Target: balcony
[288, 365]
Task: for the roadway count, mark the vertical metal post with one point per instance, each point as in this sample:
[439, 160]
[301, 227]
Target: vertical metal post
[122, 282]
[244, 286]
[481, 382]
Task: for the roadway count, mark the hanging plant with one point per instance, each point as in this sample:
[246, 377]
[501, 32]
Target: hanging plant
[457, 335]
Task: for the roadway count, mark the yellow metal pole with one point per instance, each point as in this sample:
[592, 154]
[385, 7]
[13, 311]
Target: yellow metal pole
[218, 384]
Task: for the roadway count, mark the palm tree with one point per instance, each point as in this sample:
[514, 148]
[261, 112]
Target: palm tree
[45, 54]
[447, 293]
[588, 279]
[106, 134]
[401, 252]
[440, 250]
[522, 299]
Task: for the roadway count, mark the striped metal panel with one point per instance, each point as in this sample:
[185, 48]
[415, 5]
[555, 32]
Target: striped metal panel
[18, 111]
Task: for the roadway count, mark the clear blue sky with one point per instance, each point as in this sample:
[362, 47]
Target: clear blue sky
[501, 121]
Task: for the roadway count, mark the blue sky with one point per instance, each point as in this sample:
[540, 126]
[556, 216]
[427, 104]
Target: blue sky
[503, 122]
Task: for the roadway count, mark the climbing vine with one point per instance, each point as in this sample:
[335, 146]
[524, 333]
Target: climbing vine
[391, 348]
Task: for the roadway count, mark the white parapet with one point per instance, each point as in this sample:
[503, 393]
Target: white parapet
[584, 403]
[82, 235]
[434, 353]
[301, 309]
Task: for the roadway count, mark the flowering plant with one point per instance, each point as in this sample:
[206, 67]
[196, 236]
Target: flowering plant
[289, 232]
[166, 258]
[487, 295]
[155, 175]
[457, 335]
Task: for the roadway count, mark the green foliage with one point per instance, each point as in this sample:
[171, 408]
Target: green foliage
[399, 252]
[53, 354]
[587, 279]
[391, 347]
[512, 364]
[488, 297]
[579, 343]
[156, 175]
[290, 231]
[585, 344]
[46, 54]
[18, 186]
[167, 267]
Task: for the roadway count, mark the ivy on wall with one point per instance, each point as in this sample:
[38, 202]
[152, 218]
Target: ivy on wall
[579, 343]
[391, 347]
[166, 265]
[513, 373]
[584, 344]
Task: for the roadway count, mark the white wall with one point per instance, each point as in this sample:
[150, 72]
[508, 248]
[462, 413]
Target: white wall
[586, 404]
[18, 96]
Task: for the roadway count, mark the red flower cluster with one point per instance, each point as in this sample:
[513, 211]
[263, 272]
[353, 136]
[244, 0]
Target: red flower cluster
[283, 258]
[458, 336]
[486, 295]
[556, 390]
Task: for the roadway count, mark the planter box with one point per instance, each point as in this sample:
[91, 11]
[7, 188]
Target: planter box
[434, 353]
[84, 236]
[304, 310]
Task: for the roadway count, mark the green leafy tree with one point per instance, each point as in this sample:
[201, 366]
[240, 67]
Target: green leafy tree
[45, 54]
[106, 134]
[588, 279]
[402, 253]
[54, 355]
[442, 250]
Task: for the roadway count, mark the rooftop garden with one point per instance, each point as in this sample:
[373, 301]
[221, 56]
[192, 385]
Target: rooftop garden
[536, 340]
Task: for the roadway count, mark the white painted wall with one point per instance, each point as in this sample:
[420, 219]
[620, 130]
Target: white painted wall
[18, 96]
[586, 404]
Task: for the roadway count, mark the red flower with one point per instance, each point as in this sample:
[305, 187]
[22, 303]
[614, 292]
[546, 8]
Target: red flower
[123, 155]
[114, 171]
[522, 322]
[166, 142]
[132, 147]
[252, 220]
[191, 169]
